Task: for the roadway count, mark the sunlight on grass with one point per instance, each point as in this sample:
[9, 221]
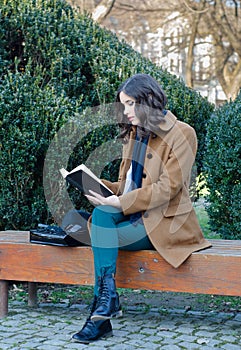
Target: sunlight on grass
[203, 219]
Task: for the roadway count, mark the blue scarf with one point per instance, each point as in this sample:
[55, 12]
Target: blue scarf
[138, 158]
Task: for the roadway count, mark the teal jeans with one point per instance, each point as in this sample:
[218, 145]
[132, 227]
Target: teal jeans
[111, 231]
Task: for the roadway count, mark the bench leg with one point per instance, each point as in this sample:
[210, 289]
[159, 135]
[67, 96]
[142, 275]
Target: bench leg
[32, 294]
[3, 298]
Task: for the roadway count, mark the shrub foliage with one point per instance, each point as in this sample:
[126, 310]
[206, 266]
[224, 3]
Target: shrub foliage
[54, 63]
[223, 169]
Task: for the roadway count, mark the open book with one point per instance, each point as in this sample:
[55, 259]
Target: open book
[84, 180]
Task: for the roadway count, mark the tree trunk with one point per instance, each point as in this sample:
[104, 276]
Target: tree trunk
[190, 54]
[102, 10]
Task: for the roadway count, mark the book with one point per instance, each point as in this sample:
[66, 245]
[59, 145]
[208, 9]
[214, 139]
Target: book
[84, 180]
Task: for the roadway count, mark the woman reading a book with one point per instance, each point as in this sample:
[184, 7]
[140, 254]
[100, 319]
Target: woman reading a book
[151, 207]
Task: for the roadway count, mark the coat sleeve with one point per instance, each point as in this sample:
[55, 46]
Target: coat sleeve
[173, 177]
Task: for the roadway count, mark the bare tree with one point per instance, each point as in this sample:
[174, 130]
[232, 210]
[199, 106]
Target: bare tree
[83, 5]
[221, 20]
[102, 10]
[225, 27]
[217, 19]
[99, 9]
[190, 55]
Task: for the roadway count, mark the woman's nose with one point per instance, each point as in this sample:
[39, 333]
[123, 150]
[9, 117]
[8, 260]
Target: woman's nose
[126, 110]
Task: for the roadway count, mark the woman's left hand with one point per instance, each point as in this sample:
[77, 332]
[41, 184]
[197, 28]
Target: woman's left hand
[97, 199]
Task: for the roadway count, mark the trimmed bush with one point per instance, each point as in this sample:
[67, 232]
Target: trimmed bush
[29, 117]
[56, 63]
[223, 170]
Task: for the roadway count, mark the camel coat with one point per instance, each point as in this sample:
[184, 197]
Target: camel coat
[163, 199]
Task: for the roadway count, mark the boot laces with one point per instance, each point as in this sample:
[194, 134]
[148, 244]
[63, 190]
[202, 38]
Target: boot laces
[103, 294]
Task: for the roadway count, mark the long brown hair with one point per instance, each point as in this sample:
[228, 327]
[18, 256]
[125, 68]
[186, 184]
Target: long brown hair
[150, 101]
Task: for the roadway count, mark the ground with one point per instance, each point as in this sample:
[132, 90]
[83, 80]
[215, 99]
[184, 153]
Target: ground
[130, 299]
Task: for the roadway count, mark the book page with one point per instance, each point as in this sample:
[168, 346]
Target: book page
[64, 172]
[86, 170]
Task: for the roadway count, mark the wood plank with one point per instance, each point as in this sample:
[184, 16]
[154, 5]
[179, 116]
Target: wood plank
[32, 294]
[3, 298]
[14, 236]
[201, 273]
[211, 271]
[218, 245]
[40, 263]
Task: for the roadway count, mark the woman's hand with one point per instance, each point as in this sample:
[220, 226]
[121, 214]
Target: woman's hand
[97, 199]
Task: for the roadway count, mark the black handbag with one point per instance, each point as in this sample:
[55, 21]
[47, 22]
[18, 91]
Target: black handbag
[73, 233]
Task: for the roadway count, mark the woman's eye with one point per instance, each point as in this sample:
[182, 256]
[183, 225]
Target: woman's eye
[131, 103]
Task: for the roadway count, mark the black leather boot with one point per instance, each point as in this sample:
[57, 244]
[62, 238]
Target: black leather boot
[108, 303]
[92, 331]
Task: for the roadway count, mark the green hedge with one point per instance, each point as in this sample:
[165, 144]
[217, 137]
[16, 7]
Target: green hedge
[223, 170]
[30, 115]
[55, 63]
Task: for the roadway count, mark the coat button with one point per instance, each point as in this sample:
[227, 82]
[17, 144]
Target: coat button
[146, 214]
[149, 155]
[144, 175]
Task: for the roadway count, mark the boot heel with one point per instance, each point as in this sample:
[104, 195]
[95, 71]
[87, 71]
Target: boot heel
[118, 314]
[97, 317]
[107, 335]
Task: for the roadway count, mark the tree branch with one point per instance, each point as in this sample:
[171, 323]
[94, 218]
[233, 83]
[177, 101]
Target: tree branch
[102, 10]
[194, 10]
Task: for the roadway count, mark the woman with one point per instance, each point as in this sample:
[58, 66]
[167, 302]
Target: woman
[151, 207]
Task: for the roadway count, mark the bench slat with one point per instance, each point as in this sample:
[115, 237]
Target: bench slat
[201, 273]
[211, 271]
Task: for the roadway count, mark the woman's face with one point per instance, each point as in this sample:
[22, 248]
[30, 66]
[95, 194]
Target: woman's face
[129, 108]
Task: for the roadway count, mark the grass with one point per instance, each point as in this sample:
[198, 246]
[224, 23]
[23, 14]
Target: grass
[203, 220]
[53, 293]
[142, 300]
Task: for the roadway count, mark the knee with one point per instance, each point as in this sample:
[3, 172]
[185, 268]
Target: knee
[104, 210]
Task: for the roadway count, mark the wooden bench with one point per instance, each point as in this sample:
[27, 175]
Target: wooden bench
[212, 271]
